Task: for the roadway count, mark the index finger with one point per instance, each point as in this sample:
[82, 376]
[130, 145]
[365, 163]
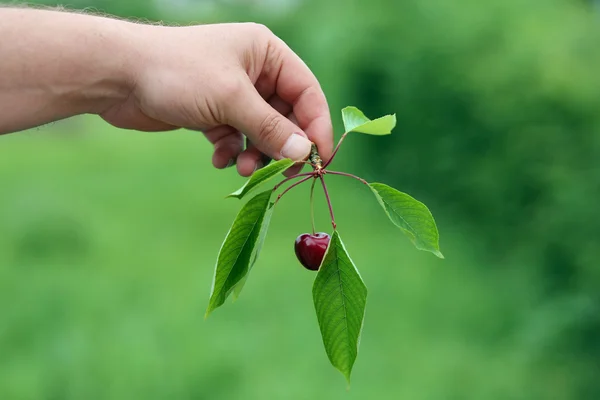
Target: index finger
[297, 85]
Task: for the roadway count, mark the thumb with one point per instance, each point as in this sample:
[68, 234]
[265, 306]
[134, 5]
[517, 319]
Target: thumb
[272, 133]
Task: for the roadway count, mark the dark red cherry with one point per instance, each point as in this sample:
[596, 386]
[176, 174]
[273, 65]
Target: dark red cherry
[310, 249]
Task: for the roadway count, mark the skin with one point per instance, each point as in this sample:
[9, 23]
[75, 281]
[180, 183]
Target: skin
[226, 80]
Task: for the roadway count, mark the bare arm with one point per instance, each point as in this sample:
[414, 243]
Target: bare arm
[227, 80]
[54, 65]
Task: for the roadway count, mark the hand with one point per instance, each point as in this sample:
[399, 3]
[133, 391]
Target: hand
[227, 80]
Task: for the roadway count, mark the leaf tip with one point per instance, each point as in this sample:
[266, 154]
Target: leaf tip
[439, 254]
[210, 308]
[347, 380]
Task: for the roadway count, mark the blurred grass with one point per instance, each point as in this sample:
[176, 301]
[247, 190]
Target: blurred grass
[109, 240]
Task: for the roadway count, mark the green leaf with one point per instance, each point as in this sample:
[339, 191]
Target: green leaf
[355, 121]
[410, 215]
[262, 175]
[240, 248]
[237, 290]
[261, 239]
[340, 297]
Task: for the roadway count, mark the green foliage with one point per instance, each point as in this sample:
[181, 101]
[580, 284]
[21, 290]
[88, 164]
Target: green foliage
[410, 215]
[263, 175]
[240, 248]
[340, 298]
[103, 266]
[355, 121]
[259, 244]
[500, 135]
[340, 312]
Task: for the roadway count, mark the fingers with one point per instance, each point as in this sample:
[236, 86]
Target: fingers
[252, 158]
[286, 109]
[229, 149]
[271, 132]
[228, 143]
[263, 158]
[297, 85]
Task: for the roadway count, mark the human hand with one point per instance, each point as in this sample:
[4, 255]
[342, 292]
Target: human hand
[227, 80]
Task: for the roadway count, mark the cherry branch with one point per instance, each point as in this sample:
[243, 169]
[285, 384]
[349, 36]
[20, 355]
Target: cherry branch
[309, 163]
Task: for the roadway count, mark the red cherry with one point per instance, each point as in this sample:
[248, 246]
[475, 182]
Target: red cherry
[310, 249]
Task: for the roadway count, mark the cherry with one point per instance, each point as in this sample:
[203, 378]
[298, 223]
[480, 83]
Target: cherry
[310, 249]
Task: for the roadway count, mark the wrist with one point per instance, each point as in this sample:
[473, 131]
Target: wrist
[114, 58]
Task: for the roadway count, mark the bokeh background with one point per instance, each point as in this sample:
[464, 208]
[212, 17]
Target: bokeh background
[109, 238]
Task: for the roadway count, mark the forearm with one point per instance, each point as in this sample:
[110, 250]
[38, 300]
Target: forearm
[54, 65]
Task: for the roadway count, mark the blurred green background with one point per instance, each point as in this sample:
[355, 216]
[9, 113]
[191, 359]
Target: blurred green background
[109, 238]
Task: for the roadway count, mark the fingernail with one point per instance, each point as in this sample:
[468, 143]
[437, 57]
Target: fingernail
[301, 134]
[297, 147]
[230, 163]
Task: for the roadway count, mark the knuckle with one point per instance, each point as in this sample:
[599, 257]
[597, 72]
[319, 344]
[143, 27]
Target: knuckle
[230, 89]
[270, 128]
[259, 29]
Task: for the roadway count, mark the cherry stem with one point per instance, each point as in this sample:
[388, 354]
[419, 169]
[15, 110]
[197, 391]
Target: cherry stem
[328, 202]
[312, 205]
[292, 186]
[349, 175]
[335, 151]
[290, 178]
